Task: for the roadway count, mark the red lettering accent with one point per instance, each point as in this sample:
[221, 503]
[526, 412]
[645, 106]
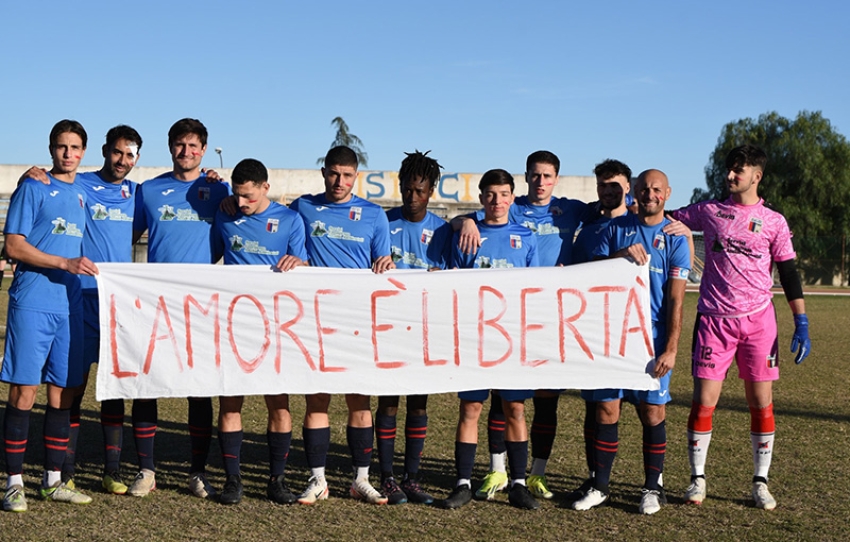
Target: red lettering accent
[456, 337]
[634, 300]
[324, 331]
[493, 323]
[606, 304]
[568, 322]
[525, 327]
[285, 328]
[248, 366]
[212, 306]
[113, 341]
[382, 327]
[426, 351]
[397, 283]
[161, 309]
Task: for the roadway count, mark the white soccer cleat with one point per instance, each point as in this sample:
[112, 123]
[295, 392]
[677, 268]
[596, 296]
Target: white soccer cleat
[651, 501]
[762, 496]
[362, 490]
[695, 493]
[591, 499]
[317, 490]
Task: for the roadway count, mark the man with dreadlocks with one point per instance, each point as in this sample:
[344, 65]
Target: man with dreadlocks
[419, 239]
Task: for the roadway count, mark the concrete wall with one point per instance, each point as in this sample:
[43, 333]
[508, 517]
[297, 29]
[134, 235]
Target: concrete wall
[456, 192]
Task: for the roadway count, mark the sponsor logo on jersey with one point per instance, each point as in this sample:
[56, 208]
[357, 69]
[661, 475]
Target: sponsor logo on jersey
[53, 194]
[516, 241]
[166, 192]
[725, 216]
[99, 212]
[236, 243]
[679, 273]
[98, 188]
[528, 224]
[355, 213]
[204, 193]
[240, 221]
[630, 233]
[396, 253]
[166, 213]
[63, 227]
[321, 208]
[426, 236]
[395, 231]
[658, 242]
[755, 225]
[318, 229]
[272, 224]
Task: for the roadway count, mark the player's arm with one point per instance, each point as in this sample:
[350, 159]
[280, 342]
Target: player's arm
[37, 173]
[665, 362]
[18, 248]
[211, 175]
[470, 237]
[789, 278]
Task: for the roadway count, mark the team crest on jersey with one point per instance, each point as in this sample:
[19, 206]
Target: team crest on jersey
[556, 211]
[755, 225]
[271, 225]
[318, 229]
[516, 241]
[236, 243]
[658, 242]
[426, 236]
[772, 361]
[354, 213]
[82, 201]
[125, 191]
[204, 193]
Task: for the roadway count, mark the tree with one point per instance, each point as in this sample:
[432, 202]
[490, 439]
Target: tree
[807, 179]
[346, 138]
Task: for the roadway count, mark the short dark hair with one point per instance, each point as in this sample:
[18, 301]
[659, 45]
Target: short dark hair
[341, 156]
[65, 126]
[122, 131]
[418, 164]
[496, 177]
[608, 169]
[746, 155]
[542, 157]
[249, 170]
[187, 126]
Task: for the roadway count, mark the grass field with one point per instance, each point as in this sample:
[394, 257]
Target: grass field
[808, 477]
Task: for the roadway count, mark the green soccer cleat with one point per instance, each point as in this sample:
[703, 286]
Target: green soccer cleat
[494, 482]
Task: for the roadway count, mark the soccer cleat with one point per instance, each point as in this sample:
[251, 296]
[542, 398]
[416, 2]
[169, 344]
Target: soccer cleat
[538, 487]
[695, 493]
[14, 500]
[494, 482]
[582, 490]
[362, 490]
[591, 499]
[60, 492]
[415, 493]
[459, 496]
[651, 500]
[143, 484]
[317, 490]
[279, 492]
[762, 497]
[395, 495]
[200, 487]
[520, 497]
[232, 492]
[112, 483]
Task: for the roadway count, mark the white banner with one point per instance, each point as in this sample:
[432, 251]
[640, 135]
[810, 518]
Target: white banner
[178, 330]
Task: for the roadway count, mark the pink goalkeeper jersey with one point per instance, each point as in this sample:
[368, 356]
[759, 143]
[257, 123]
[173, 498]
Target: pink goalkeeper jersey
[741, 244]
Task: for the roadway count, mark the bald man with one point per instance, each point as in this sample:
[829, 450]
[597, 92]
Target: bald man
[640, 239]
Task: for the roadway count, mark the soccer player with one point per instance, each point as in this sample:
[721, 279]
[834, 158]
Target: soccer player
[612, 185]
[419, 239]
[554, 222]
[177, 209]
[262, 232]
[108, 238]
[348, 232]
[641, 238]
[504, 244]
[735, 316]
[44, 341]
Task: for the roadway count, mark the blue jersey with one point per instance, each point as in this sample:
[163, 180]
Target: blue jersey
[178, 216]
[349, 235]
[261, 238]
[669, 255]
[503, 245]
[419, 245]
[554, 225]
[588, 239]
[52, 218]
[109, 222]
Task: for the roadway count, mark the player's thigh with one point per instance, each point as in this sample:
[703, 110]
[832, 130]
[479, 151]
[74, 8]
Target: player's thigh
[758, 351]
[29, 339]
[714, 346]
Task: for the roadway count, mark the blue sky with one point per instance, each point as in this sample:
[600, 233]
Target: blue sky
[480, 83]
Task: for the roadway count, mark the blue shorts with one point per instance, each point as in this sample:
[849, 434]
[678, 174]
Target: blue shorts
[43, 348]
[91, 337]
[479, 396]
[653, 397]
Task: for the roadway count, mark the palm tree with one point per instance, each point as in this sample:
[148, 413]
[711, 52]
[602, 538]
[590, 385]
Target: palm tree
[344, 137]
